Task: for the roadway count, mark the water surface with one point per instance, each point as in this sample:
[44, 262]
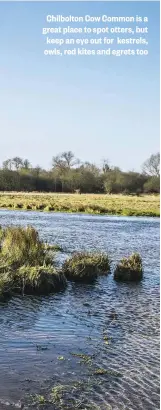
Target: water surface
[36, 333]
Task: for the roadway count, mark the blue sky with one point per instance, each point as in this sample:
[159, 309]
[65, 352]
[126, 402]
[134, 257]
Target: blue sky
[98, 107]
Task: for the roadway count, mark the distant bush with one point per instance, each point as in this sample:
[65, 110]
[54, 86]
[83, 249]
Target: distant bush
[116, 181]
[129, 269]
[86, 266]
[69, 174]
[152, 185]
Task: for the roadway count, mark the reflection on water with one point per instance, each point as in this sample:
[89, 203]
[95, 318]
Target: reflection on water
[36, 332]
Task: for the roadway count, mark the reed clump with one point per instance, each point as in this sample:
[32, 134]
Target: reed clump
[86, 266]
[129, 269]
[40, 280]
[26, 264]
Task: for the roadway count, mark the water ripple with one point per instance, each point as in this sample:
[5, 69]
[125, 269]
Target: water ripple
[35, 333]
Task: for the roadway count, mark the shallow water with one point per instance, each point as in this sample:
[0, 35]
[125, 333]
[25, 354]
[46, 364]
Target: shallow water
[39, 335]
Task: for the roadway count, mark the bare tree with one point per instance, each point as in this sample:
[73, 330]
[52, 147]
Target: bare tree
[65, 160]
[7, 164]
[105, 166]
[61, 166]
[152, 165]
[58, 163]
[37, 170]
[69, 158]
[26, 164]
[17, 163]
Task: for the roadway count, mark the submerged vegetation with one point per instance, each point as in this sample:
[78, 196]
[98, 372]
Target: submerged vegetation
[25, 265]
[70, 396]
[75, 393]
[129, 269]
[126, 205]
[86, 266]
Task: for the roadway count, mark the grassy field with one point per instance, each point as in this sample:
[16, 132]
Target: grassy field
[146, 205]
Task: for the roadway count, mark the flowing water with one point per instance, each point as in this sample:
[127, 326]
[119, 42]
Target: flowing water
[115, 325]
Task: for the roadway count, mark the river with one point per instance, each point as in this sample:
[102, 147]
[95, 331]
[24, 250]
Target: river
[114, 324]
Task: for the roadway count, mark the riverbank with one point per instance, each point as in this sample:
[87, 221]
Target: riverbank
[125, 205]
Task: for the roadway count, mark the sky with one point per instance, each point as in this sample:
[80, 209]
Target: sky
[97, 107]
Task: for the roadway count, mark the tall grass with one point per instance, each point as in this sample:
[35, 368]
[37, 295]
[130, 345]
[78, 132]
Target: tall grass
[86, 266]
[21, 246]
[129, 269]
[26, 265]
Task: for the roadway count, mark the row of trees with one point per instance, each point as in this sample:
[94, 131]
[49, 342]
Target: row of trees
[69, 174]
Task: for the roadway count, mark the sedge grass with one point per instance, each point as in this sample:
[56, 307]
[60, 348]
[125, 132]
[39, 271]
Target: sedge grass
[129, 269]
[86, 266]
[26, 264]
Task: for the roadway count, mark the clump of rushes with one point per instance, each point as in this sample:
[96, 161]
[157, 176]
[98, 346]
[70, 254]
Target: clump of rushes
[5, 285]
[39, 280]
[21, 246]
[26, 266]
[129, 269]
[86, 266]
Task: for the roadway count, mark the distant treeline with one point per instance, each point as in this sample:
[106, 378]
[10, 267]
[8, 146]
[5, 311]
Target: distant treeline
[68, 174]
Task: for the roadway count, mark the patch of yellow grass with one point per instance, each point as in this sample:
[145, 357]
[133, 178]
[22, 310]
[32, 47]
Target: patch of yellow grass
[144, 205]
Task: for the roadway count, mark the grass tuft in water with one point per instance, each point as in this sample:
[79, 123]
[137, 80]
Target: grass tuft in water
[129, 269]
[86, 359]
[40, 399]
[100, 372]
[26, 266]
[57, 393]
[21, 246]
[86, 266]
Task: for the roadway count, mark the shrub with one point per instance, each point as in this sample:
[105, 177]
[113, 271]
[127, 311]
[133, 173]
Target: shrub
[152, 185]
[86, 266]
[129, 269]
